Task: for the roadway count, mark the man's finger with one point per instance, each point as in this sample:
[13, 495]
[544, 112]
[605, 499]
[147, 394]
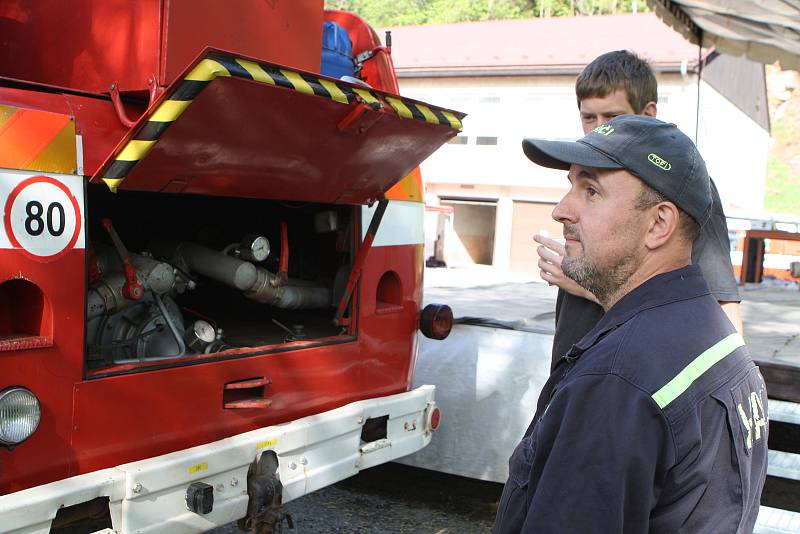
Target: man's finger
[547, 277]
[548, 255]
[547, 266]
[552, 244]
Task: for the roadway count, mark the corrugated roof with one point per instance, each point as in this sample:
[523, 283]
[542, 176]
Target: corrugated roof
[763, 30]
[535, 46]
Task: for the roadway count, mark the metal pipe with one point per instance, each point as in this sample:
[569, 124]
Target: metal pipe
[172, 328]
[257, 283]
[154, 275]
[105, 296]
[283, 267]
[296, 298]
[269, 290]
[208, 262]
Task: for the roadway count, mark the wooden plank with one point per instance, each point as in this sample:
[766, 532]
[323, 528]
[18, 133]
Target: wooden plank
[783, 381]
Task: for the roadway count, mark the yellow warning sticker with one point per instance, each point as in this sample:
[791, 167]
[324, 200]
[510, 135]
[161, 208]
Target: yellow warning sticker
[197, 468]
[268, 443]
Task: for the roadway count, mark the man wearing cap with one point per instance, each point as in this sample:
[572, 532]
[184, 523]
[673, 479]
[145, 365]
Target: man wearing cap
[621, 83]
[655, 422]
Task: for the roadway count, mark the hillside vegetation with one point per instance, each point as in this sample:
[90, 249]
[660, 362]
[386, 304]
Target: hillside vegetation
[380, 13]
[783, 167]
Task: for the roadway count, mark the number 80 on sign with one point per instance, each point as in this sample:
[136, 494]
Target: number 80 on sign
[42, 217]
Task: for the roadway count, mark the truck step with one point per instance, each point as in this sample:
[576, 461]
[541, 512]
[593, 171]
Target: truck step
[783, 464]
[784, 411]
[776, 521]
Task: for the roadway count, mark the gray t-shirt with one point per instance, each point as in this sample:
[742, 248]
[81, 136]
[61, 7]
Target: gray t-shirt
[575, 316]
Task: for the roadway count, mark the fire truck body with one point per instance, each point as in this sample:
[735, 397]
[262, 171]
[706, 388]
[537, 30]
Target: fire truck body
[230, 271]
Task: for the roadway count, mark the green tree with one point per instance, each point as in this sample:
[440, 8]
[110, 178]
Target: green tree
[404, 12]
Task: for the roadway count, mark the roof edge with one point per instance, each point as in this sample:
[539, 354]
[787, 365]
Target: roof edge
[565, 70]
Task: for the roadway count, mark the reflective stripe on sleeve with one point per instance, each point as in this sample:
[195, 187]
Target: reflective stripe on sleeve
[675, 387]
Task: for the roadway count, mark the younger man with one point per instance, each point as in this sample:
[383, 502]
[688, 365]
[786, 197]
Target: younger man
[619, 83]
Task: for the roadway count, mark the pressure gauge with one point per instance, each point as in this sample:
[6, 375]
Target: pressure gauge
[254, 248]
[199, 335]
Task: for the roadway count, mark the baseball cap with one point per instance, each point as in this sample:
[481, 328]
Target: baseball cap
[656, 152]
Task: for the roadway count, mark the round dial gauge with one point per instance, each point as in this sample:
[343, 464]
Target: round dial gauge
[204, 331]
[255, 248]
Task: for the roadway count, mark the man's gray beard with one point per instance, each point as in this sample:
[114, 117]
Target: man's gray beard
[604, 282]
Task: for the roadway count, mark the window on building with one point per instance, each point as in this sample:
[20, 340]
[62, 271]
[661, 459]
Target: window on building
[485, 140]
[459, 140]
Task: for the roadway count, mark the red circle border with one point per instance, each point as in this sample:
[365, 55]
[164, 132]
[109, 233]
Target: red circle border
[7, 217]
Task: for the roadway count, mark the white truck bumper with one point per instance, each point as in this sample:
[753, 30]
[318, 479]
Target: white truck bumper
[148, 496]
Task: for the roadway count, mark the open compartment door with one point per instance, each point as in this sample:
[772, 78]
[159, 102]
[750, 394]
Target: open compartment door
[238, 127]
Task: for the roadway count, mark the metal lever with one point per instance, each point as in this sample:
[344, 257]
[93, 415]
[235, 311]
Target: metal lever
[358, 265]
[132, 289]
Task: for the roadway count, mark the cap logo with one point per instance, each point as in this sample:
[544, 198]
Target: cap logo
[659, 162]
[604, 129]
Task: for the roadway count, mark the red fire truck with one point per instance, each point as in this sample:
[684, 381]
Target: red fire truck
[210, 262]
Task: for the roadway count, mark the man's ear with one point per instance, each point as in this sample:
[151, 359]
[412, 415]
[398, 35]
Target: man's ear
[663, 225]
[649, 109]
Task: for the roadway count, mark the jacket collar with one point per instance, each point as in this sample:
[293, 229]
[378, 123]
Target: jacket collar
[680, 284]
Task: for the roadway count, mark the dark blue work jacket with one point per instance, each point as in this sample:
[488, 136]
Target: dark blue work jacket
[655, 422]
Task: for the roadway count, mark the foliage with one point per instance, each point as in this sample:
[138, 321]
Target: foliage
[783, 189]
[783, 166]
[381, 13]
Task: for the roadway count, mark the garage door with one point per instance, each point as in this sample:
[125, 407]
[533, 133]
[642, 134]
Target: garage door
[473, 226]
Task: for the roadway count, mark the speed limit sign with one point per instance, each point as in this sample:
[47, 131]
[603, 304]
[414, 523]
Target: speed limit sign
[42, 217]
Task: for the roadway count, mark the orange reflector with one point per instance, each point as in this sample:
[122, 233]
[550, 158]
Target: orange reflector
[408, 189]
[436, 321]
[37, 140]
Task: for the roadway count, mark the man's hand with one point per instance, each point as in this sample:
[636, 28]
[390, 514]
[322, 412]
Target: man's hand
[732, 310]
[551, 252]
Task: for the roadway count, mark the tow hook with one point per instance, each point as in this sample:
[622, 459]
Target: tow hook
[265, 513]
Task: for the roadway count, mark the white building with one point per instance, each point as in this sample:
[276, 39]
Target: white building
[516, 79]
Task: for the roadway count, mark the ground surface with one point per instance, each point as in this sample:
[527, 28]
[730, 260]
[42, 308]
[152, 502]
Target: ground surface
[771, 322]
[394, 498]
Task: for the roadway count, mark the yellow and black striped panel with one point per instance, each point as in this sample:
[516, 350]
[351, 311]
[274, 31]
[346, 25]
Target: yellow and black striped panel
[216, 65]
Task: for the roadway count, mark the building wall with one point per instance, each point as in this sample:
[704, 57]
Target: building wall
[502, 111]
[736, 152]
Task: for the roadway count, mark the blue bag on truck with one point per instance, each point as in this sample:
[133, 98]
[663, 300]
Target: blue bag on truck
[337, 51]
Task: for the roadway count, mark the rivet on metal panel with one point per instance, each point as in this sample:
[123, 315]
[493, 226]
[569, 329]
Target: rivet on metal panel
[234, 482]
[220, 488]
[292, 466]
[361, 420]
[137, 488]
[304, 460]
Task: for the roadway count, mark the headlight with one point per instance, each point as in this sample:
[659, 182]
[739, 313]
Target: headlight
[19, 415]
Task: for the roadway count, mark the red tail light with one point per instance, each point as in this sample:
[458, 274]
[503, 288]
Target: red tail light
[436, 418]
[436, 321]
[433, 417]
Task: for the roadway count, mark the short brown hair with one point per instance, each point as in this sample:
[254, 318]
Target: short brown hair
[687, 226]
[618, 70]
